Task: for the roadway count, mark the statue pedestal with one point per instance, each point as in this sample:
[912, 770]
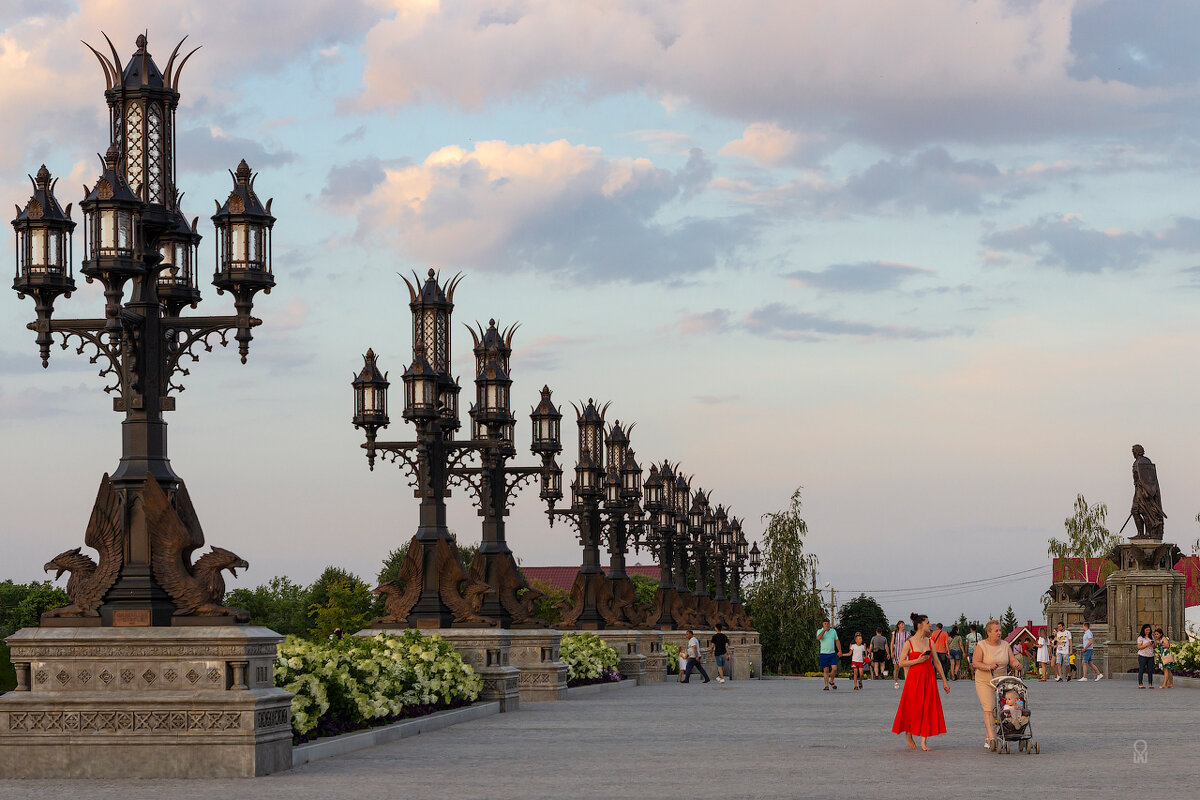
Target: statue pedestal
[1064, 603]
[628, 644]
[1145, 589]
[535, 654]
[179, 702]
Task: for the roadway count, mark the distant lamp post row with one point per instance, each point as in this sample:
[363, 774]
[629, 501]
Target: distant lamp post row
[139, 245]
[433, 589]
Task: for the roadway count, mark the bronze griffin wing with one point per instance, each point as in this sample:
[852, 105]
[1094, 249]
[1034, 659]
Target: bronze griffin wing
[171, 546]
[89, 582]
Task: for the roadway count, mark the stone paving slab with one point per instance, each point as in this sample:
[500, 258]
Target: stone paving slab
[770, 739]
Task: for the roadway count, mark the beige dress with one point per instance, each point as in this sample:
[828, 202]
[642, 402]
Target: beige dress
[992, 654]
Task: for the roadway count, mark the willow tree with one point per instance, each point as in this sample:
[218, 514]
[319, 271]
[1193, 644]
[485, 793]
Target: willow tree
[786, 608]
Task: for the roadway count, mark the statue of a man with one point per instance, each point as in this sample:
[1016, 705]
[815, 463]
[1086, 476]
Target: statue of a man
[1147, 508]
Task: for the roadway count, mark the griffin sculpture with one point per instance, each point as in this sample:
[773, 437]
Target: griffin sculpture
[90, 581]
[197, 589]
[610, 608]
[506, 581]
[459, 591]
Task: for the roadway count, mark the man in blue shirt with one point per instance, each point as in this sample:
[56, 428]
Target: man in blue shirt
[831, 650]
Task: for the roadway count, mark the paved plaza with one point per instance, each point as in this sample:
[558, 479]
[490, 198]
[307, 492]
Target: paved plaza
[772, 738]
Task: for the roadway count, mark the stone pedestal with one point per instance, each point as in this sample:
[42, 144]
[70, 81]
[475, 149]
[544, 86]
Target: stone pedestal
[656, 659]
[1145, 589]
[179, 702]
[535, 653]
[628, 644]
[1064, 603]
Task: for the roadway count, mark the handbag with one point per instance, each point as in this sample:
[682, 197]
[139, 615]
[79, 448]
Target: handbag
[1168, 658]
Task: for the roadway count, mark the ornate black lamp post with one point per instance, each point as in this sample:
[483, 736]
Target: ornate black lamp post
[432, 590]
[591, 604]
[494, 483]
[140, 247]
[737, 567]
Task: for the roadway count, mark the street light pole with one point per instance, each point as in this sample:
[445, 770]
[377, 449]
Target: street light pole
[137, 240]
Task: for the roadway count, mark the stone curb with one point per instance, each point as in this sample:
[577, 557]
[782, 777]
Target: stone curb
[599, 688]
[360, 740]
[1180, 682]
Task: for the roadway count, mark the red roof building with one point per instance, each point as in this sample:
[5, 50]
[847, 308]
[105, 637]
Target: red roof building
[564, 577]
[1027, 631]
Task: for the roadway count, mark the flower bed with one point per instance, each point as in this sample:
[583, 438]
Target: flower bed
[589, 660]
[356, 683]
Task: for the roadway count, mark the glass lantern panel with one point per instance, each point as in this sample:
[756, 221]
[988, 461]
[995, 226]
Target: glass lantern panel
[183, 260]
[124, 231]
[133, 145]
[108, 231]
[254, 256]
[167, 251]
[155, 157]
[368, 403]
[37, 249]
[238, 244]
[492, 399]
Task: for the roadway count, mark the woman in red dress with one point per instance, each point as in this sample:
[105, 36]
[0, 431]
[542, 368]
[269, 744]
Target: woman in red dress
[920, 711]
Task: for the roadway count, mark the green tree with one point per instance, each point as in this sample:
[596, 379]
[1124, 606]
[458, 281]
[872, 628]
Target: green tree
[1087, 537]
[863, 615]
[1008, 623]
[786, 611]
[22, 604]
[645, 588]
[543, 607]
[348, 605]
[281, 605]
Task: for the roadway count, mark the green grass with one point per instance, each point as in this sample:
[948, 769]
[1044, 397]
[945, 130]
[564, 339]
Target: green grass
[8, 675]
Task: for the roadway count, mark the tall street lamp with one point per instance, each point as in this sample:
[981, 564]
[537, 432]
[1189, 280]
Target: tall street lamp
[139, 245]
[494, 483]
[669, 609]
[591, 604]
[432, 589]
[625, 522]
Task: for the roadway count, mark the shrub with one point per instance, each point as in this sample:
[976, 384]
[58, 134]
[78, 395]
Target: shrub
[1187, 656]
[357, 682]
[8, 673]
[672, 651]
[587, 657]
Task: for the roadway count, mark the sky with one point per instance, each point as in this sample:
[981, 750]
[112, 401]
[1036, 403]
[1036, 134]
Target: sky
[935, 261]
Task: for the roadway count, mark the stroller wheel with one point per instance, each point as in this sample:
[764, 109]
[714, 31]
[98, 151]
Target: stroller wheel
[1006, 748]
[1022, 746]
[1037, 748]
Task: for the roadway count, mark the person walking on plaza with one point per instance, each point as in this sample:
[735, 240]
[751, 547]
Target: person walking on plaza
[879, 654]
[920, 709]
[858, 654]
[956, 652]
[972, 640]
[831, 651]
[1164, 658]
[693, 652]
[1145, 651]
[993, 658]
[1062, 651]
[1043, 657]
[941, 647]
[718, 645]
[899, 637]
[1088, 641]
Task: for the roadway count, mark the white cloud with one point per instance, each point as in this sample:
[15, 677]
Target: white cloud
[889, 72]
[554, 207]
[764, 142]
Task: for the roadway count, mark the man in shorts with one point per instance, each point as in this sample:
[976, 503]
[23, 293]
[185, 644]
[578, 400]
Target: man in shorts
[718, 645]
[1062, 651]
[973, 638]
[831, 651]
[1088, 641]
[879, 654]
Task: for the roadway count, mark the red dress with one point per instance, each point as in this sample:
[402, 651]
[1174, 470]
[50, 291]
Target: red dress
[920, 711]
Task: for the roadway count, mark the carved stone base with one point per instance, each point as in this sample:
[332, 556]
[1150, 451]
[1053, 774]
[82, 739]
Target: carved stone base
[535, 654]
[746, 662]
[1145, 590]
[487, 651]
[193, 702]
[656, 659]
[591, 604]
[628, 645]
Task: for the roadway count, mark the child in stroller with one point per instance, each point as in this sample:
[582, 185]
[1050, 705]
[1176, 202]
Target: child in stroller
[1012, 720]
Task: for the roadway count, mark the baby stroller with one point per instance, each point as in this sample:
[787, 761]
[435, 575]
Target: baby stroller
[1013, 725]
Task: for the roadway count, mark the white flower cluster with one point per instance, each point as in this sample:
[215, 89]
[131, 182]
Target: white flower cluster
[586, 655]
[1187, 654]
[360, 679]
